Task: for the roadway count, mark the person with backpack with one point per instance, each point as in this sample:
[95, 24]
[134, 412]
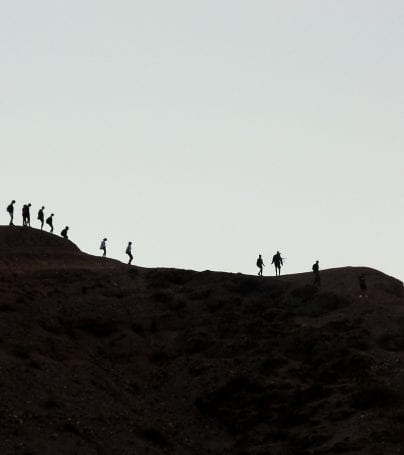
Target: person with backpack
[260, 264]
[41, 216]
[278, 263]
[129, 252]
[10, 210]
[49, 221]
[103, 247]
[316, 270]
[64, 232]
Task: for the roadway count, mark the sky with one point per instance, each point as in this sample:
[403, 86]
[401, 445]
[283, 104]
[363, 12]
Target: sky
[208, 132]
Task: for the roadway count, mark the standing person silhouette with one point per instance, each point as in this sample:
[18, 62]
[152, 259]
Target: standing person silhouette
[64, 232]
[260, 264]
[41, 216]
[316, 270]
[49, 221]
[10, 210]
[129, 252]
[28, 215]
[24, 214]
[103, 247]
[278, 262]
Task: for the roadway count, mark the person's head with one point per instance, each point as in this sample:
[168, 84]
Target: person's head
[105, 239]
[278, 253]
[52, 214]
[317, 261]
[259, 255]
[67, 228]
[43, 208]
[29, 204]
[13, 201]
[130, 243]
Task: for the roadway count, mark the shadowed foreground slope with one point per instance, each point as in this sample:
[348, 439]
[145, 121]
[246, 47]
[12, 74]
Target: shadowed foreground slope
[100, 358]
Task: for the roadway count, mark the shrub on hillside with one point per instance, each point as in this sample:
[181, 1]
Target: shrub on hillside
[374, 395]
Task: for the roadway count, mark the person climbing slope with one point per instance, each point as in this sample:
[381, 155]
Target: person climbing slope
[41, 216]
[49, 221]
[129, 252]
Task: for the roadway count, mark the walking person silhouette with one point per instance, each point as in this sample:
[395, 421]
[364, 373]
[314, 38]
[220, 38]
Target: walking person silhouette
[41, 216]
[10, 210]
[49, 221]
[260, 264]
[129, 252]
[103, 247]
[278, 262]
[64, 232]
[316, 270]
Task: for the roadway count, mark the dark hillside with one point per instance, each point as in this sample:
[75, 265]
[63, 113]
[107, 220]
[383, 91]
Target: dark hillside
[97, 357]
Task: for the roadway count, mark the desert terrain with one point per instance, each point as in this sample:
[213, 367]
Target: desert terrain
[97, 357]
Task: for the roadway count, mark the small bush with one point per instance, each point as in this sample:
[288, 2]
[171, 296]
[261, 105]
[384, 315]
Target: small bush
[156, 437]
[162, 297]
[98, 328]
[392, 342]
[374, 395]
[22, 351]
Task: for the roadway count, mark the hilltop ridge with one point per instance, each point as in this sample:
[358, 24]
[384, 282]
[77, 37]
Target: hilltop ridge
[97, 357]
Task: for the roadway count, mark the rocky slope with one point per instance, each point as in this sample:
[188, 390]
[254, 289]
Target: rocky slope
[97, 357]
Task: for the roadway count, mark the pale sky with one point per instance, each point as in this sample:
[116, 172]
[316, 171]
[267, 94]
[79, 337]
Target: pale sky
[208, 132]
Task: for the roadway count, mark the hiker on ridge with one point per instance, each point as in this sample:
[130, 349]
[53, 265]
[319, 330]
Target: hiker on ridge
[26, 217]
[10, 210]
[64, 232]
[49, 221]
[129, 252]
[103, 247]
[41, 216]
[278, 262]
[260, 264]
[316, 270]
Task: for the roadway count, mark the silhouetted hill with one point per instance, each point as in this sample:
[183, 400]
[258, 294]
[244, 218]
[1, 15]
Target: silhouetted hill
[97, 357]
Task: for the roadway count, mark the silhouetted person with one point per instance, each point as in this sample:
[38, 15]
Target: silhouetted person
[41, 216]
[129, 252]
[49, 221]
[64, 232]
[316, 270]
[260, 264]
[26, 217]
[278, 262]
[103, 247]
[10, 210]
[362, 285]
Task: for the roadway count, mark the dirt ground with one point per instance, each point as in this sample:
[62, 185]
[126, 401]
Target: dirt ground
[97, 357]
